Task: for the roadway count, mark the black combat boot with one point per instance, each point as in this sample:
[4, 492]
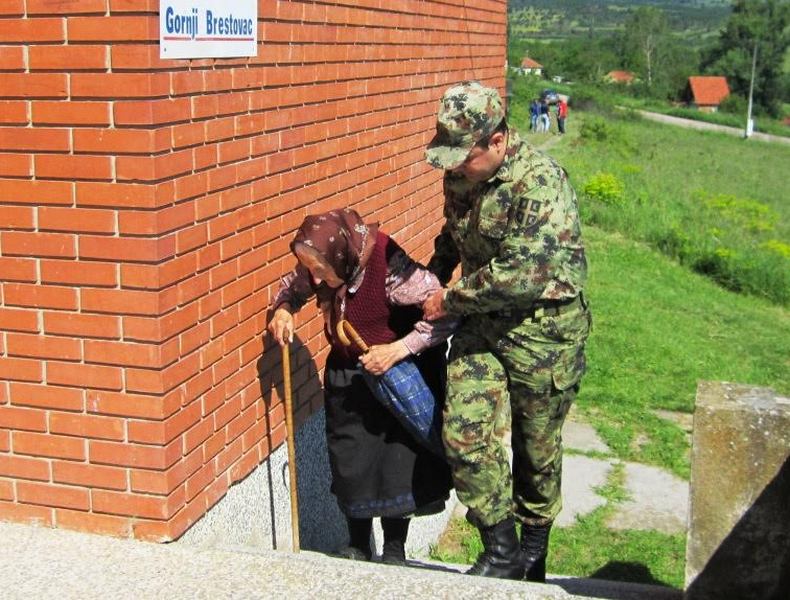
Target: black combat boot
[501, 556]
[535, 547]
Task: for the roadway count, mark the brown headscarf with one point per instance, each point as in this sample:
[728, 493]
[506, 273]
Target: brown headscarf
[343, 239]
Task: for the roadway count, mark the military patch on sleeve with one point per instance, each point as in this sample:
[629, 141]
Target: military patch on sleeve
[527, 213]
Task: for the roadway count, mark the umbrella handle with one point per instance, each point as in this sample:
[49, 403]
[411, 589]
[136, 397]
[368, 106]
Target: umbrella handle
[346, 331]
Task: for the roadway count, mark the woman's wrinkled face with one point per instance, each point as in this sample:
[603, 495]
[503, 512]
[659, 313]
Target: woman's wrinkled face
[320, 270]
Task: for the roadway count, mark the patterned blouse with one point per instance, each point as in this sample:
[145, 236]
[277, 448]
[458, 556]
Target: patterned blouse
[407, 283]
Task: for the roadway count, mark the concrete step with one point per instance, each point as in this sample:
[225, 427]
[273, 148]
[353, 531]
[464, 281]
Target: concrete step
[44, 563]
[431, 573]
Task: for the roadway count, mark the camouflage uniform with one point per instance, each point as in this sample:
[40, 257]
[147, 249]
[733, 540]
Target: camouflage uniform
[518, 355]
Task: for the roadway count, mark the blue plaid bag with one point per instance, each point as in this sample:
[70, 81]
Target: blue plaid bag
[403, 391]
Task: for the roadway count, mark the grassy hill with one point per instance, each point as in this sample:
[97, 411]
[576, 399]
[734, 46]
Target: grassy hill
[658, 330]
[678, 221]
[717, 203]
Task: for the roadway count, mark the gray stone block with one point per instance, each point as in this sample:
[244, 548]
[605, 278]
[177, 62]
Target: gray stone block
[739, 530]
[255, 513]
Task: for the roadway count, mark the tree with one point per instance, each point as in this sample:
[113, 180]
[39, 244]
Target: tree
[644, 42]
[761, 23]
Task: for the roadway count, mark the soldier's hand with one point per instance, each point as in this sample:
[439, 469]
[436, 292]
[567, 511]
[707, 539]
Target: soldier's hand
[433, 307]
[381, 358]
[282, 326]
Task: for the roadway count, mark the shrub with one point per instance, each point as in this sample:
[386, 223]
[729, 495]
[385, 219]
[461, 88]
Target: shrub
[596, 129]
[742, 213]
[777, 247]
[734, 105]
[606, 188]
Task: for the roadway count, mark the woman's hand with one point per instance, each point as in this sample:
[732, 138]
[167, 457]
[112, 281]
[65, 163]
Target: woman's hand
[282, 325]
[381, 358]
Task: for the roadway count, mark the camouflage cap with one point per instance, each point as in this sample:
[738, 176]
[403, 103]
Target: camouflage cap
[468, 112]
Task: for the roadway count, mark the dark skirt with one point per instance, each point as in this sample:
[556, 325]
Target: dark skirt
[378, 469]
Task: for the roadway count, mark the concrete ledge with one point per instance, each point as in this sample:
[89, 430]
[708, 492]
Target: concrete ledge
[56, 564]
[739, 531]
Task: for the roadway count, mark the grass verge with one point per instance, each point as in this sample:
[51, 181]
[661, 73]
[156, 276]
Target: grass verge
[589, 548]
[659, 329]
[716, 203]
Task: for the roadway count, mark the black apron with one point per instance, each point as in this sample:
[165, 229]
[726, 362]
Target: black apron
[378, 469]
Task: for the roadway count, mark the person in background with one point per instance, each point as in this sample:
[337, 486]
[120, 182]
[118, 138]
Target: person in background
[360, 274]
[545, 118]
[517, 357]
[562, 114]
[534, 114]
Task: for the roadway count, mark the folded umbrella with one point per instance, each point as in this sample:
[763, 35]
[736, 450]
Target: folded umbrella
[403, 391]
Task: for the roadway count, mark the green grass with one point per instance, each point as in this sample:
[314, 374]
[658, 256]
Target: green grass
[717, 203]
[658, 329]
[589, 548]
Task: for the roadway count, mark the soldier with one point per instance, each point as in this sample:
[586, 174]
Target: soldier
[517, 358]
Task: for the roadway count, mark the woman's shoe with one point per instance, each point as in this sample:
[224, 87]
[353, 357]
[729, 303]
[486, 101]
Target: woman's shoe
[353, 553]
[394, 553]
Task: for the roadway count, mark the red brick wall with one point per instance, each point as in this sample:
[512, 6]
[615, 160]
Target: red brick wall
[145, 212]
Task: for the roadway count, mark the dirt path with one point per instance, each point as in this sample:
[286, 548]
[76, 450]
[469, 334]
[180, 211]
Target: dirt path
[542, 141]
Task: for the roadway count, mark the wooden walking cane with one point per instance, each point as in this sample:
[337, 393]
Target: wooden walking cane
[289, 432]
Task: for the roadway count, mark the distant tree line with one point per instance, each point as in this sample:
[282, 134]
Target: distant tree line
[558, 17]
[662, 58]
[761, 26]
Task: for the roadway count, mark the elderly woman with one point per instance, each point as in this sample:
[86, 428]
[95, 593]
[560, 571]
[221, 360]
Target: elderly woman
[360, 274]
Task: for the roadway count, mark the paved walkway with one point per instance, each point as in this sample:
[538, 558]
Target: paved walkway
[702, 125]
[658, 500]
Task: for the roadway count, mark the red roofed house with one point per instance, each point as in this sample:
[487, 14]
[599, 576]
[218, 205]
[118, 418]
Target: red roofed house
[707, 92]
[530, 67]
[623, 77]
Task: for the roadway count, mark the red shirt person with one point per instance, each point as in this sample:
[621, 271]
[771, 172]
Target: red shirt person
[562, 114]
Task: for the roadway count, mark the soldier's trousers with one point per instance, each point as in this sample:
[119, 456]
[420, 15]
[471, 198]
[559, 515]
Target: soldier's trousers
[512, 373]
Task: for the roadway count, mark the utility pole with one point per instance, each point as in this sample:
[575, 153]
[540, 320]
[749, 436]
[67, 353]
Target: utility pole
[749, 121]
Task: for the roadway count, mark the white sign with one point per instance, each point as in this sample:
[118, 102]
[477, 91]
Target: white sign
[208, 28]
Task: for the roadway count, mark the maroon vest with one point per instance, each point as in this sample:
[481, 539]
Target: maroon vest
[367, 309]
